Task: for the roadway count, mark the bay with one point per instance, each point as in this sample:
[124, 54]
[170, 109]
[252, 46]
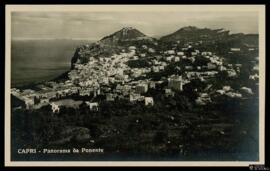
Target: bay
[34, 61]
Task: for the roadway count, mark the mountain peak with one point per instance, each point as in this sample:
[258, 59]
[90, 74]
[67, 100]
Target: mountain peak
[192, 33]
[127, 28]
[125, 34]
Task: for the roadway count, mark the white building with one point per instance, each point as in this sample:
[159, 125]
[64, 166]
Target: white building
[161, 67]
[226, 88]
[222, 68]
[180, 53]
[176, 59]
[151, 50]
[92, 106]
[152, 84]
[189, 67]
[149, 101]
[155, 68]
[134, 97]
[29, 103]
[235, 49]
[234, 95]
[55, 108]
[170, 52]
[206, 53]
[211, 65]
[231, 73]
[131, 48]
[169, 92]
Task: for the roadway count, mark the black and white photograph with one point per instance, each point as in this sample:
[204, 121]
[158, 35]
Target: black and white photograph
[134, 84]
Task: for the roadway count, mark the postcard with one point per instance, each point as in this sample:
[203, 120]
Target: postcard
[134, 85]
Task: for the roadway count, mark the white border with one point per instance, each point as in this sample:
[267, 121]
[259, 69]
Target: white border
[125, 8]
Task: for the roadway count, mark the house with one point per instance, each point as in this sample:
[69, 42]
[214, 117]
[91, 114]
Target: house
[189, 67]
[194, 53]
[254, 77]
[120, 72]
[180, 53]
[55, 108]
[142, 88]
[222, 68]
[256, 68]
[111, 79]
[192, 59]
[169, 58]
[164, 64]
[176, 59]
[230, 66]
[136, 73]
[148, 101]
[155, 69]
[27, 91]
[142, 55]
[210, 73]
[231, 73]
[119, 88]
[161, 68]
[235, 49]
[131, 48]
[169, 92]
[203, 99]
[170, 52]
[226, 88]
[144, 47]
[211, 65]
[134, 97]
[152, 84]
[238, 65]
[50, 94]
[96, 92]
[155, 62]
[105, 80]
[29, 103]
[233, 95]
[151, 50]
[109, 97]
[175, 83]
[85, 92]
[206, 53]
[221, 92]
[92, 106]
[135, 57]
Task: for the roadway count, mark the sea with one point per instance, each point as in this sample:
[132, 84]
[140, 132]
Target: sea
[34, 61]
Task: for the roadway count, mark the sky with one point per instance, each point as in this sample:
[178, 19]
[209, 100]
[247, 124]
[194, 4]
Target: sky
[95, 25]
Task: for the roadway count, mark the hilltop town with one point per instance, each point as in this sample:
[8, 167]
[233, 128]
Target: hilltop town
[128, 74]
[174, 74]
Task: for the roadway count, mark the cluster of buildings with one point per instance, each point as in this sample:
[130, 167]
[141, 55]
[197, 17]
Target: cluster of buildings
[114, 79]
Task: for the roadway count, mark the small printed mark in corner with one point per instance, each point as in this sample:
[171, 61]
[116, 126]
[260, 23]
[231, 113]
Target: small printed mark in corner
[258, 167]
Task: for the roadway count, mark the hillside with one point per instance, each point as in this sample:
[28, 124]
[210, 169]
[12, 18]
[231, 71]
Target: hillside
[191, 33]
[218, 40]
[125, 34]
